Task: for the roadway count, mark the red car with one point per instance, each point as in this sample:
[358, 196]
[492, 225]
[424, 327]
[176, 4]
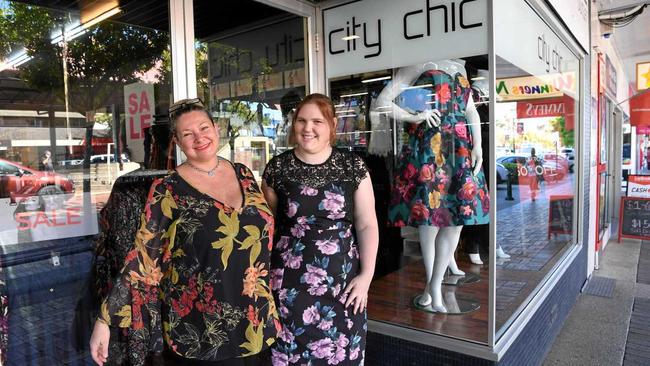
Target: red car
[18, 181]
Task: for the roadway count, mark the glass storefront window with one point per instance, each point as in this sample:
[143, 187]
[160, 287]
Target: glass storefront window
[84, 92]
[537, 109]
[414, 104]
[251, 82]
[384, 82]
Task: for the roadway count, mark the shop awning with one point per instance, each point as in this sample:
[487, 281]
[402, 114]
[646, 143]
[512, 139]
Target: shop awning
[640, 109]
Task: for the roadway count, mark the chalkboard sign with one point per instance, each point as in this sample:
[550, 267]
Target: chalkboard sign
[634, 218]
[560, 215]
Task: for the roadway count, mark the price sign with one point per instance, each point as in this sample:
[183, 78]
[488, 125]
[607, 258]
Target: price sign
[560, 215]
[634, 218]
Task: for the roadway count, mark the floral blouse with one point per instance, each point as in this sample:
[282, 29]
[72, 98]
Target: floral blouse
[205, 265]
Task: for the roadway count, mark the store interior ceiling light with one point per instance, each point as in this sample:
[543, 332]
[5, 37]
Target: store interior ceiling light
[22, 57]
[377, 79]
[417, 86]
[349, 38]
[353, 95]
[83, 27]
[478, 78]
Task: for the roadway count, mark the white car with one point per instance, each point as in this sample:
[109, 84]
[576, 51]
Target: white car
[502, 173]
[98, 159]
[570, 155]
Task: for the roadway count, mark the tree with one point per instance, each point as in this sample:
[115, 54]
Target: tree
[566, 137]
[86, 73]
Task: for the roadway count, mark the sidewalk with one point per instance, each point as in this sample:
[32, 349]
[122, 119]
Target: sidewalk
[599, 330]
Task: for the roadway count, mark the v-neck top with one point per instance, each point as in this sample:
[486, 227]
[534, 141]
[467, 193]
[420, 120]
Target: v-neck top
[204, 267]
[223, 204]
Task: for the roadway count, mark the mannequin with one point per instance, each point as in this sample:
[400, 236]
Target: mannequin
[449, 175]
[481, 95]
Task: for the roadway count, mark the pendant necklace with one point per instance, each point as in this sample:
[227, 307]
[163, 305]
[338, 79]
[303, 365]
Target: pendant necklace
[210, 172]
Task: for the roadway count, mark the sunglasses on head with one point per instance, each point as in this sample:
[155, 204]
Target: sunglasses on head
[184, 106]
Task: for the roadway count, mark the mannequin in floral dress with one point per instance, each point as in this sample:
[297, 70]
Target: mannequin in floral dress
[439, 186]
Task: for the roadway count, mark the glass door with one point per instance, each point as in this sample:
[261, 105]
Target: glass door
[605, 108]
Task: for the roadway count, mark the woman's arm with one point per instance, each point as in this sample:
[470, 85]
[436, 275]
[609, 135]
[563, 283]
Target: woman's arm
[365, 225]
[270, 195]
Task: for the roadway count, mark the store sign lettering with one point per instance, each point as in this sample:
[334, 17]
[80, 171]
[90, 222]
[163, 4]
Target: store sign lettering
[535, 110]
[31, 220]
[542, 86]
[234, 61]
[444, 18]
[139, 108]
[502, 87]
[549, 56]
[448, 16]
[139, 103]
[351, 38]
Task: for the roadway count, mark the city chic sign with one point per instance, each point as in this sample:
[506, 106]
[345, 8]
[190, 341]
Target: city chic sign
[381, 34]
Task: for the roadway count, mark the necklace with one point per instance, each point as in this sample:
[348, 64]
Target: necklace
[208, 172]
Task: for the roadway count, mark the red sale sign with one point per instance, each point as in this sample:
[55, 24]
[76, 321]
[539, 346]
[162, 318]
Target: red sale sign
[140, 107]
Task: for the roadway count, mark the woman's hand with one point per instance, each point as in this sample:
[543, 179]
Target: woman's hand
[99, 342]
[357, 291]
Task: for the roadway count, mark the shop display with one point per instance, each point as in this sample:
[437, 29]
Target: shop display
[439, 186]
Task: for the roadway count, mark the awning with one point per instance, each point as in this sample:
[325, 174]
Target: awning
[640, 109]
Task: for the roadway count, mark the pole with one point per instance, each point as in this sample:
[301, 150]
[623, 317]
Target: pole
[509, 187]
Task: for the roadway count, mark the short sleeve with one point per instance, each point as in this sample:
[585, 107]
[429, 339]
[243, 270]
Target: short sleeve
[271, 172]
[143, 268]
[359, 170]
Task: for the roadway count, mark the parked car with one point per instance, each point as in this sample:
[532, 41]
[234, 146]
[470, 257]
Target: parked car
[98, 159]
[502, 173]
[569, 153]
[71, 162]
[18, 181]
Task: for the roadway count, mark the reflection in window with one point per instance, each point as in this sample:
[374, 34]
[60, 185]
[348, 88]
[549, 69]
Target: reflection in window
[82, 85]
[252, 83]
[379, 115]
[535, 145]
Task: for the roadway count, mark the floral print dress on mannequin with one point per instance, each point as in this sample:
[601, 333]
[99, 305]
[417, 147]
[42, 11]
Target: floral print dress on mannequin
[434, 184]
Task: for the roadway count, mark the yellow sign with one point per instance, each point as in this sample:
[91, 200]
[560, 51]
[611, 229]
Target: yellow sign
[536, 87]
[643, 75]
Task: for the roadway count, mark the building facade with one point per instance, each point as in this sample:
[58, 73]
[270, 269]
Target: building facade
[91, 84]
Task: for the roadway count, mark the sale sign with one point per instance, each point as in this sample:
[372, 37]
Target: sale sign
[48, 217]
[638, 186]
[140, 106]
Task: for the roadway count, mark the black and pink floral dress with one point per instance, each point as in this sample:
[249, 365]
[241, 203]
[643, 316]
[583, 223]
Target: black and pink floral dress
[434, 184]
[315, 255]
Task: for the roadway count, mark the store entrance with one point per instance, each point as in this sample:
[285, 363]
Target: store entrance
[604, 171]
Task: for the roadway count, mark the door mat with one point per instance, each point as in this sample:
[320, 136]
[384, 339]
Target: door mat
[638, 341]
[600, 286]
